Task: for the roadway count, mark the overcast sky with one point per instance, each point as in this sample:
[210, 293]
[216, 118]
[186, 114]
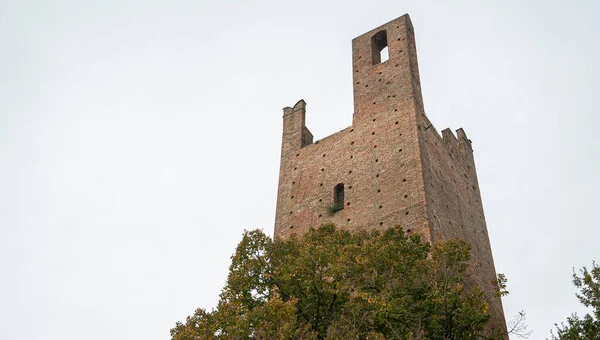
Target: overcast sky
[138, 139]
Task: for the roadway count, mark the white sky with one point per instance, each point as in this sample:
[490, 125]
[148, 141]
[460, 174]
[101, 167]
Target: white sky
[138, 139]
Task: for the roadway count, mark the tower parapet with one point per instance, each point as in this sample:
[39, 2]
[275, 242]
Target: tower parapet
[295, 133]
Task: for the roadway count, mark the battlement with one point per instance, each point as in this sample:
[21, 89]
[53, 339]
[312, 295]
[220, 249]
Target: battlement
[299, 106]
[458, 144]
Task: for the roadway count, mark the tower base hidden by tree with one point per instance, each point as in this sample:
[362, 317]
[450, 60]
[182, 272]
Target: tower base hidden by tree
[330, 283]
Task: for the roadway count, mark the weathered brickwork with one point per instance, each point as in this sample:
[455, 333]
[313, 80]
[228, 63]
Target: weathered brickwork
[395, 167]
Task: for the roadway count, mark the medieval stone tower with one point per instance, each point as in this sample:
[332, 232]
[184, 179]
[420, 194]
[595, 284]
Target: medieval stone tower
[391, 167]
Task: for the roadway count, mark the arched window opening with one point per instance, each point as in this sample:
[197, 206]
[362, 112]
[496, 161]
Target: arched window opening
[379, 47]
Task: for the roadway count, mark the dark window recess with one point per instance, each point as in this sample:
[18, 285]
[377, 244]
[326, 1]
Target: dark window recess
[338, 199]
[338, 195]
[379, 47]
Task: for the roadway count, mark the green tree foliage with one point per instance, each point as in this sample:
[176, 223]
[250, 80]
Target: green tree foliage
[588, 327]
[332, 284]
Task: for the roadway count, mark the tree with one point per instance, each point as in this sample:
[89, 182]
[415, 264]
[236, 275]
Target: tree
[587, 327]
[332, 284]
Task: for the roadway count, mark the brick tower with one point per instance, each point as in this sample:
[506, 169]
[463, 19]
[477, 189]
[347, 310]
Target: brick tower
[391, 167]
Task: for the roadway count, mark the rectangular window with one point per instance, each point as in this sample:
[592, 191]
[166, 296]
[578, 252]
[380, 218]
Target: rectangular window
[379, 47]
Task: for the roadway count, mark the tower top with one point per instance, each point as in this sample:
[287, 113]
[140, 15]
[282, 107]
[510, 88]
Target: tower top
[384, 60]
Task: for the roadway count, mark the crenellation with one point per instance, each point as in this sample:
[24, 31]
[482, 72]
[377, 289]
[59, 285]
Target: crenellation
[464, 142]
[307, 136]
